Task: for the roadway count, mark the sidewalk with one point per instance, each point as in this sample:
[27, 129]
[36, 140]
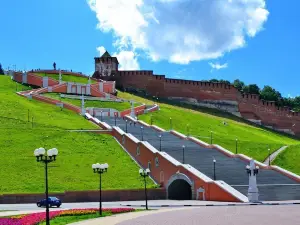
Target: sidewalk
[116, 219]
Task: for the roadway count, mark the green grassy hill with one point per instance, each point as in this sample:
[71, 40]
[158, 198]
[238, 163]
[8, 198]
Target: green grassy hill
[120, 106]
[252, 141]
[66, 77]
[289, 159]
[19, 171]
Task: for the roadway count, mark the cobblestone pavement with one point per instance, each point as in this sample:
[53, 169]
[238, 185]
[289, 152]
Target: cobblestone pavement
[248, 215]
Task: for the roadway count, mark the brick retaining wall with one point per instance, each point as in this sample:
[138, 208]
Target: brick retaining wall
[87, 196]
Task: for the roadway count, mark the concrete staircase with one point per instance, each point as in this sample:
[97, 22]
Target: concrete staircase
[272, 184]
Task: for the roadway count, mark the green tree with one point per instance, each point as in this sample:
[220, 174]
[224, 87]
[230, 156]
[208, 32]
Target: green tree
[1, 70]
[254, 89]
[270, 94]
[238, 84]
[224, 81]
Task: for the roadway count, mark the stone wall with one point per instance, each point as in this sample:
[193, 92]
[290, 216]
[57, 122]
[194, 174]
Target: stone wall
[87, 196]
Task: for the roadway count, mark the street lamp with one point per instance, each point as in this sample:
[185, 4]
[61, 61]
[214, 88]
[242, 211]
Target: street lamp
[100, 168]
[145, 173]
[183, 148]
[160, 142]
[101, 114]
[255, 170]
[151, 120]
[126, 121]
[252, 172]
[214, 168]
[236, 146]
[115, 120]
[269, 157]
[142, 133]
[211, 141]
[188, 129]
[171, 123]
[41, 156]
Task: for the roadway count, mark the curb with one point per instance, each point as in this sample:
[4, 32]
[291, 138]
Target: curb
[233, 204]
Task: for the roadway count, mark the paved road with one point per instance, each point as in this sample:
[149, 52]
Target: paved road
[153, 204]
[227, 215]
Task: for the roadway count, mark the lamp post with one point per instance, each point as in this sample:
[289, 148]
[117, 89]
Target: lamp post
[214, 161]
[171, 127]
[41, 156]
[145, 173]
[100, 168]
[252, 171]
[142, 133]
[269, 157]
[183, 149]
[151, 120]
[126, 121]
[160, 142]
[101, 115]
[188, 129]
[211, 141]
[236, 146]
[115, 120]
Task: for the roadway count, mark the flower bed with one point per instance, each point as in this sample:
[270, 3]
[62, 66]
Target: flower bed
[36, 218]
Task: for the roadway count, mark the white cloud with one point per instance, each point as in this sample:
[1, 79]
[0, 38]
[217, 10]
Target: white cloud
[127, 60]
[181, 31]
[101, 50]
[218, 66]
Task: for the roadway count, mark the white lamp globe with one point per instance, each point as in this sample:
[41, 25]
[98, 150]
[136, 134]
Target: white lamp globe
[141, 171]
[94, 166]
[36, 152]
[247, 167]
[54, 151]
[42, 151]
[105, 165]
[147, 171]
[98, 166]
[50, 152]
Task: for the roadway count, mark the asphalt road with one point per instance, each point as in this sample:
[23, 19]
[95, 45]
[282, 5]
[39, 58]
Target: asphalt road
[134, 204]
[227, 215]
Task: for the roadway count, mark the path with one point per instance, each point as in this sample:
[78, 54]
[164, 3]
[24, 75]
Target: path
[274, 155]
[206, 215]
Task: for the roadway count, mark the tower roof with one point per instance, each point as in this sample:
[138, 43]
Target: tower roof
[106, 55]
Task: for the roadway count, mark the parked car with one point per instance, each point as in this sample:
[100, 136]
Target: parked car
[52, 201]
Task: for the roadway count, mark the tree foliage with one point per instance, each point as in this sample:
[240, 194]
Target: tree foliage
[1, 70]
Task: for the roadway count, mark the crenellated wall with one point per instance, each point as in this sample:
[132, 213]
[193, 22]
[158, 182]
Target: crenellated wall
[251, 107]
[222, 95]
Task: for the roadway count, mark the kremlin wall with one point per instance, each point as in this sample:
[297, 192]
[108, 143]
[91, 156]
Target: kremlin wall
[213, 95]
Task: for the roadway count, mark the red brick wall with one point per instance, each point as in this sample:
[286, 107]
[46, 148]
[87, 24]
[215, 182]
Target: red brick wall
[86, 196]
[250, 106]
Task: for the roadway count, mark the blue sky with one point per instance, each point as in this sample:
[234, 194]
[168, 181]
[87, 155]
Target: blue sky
[35, 33]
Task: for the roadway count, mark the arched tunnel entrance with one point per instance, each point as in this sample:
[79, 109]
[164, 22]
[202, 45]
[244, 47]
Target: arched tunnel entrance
[180, 189]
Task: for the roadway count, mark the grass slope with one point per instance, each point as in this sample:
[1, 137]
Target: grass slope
[66, 77]
[289, 159]
[120, 106]
[252, 141]
[19, 171]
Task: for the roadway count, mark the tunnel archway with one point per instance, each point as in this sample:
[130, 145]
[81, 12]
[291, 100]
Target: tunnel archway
[180, 187]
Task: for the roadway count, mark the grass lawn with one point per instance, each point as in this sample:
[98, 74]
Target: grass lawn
[66, 77]
[252, 141]
[289, 159]
[120, 106]
[19, 171]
